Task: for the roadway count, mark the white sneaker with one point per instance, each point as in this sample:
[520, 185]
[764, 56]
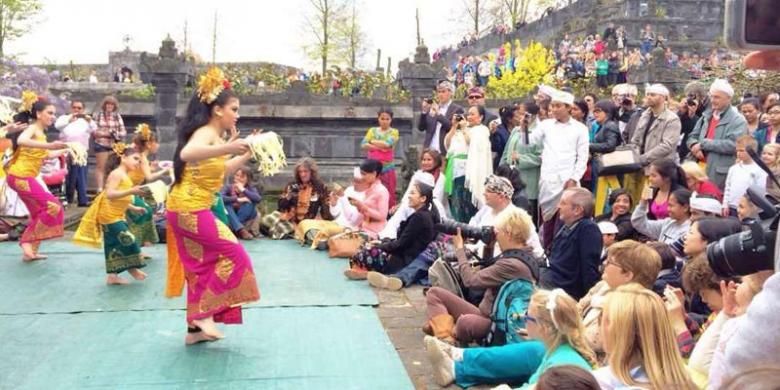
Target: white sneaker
[380, 280]
[441, 363]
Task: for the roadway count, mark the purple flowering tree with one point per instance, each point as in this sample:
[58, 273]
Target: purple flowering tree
[16, 78]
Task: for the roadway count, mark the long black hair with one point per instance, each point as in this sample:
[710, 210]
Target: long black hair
[668, 169]
[609, 108]
[28, 117]
[427, 191]
[198, 115]
[506, 114]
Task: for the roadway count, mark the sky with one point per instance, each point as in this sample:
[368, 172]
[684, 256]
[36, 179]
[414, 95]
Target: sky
[84, 31]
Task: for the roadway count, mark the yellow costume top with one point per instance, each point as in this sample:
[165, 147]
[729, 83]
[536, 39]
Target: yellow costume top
[113, 210]
[26, 161]
[199, 182]
[103, 211]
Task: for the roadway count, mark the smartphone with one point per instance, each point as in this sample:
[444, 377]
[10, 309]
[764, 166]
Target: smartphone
[648, 193]
[752, 25]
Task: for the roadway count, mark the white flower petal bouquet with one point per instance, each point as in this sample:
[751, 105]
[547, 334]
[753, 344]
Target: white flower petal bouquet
[267, 149]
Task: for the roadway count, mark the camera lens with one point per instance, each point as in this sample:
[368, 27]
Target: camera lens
[740, 254]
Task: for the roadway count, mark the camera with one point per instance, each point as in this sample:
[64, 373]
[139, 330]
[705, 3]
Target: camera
[751, 24]
[627, 102]
[458, 117]
[749, 251]
[485, 234]
[690, 102]
[428, 101]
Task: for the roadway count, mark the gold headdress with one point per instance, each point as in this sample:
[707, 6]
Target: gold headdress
[211, 84]
[119, 148]
[145, 131]
[28, 99]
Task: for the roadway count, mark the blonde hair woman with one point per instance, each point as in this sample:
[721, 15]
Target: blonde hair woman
[640, 343]
[697, 181]
[552, 318]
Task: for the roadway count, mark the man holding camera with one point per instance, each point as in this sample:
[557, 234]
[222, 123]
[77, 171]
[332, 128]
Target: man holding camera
[658, 129]
[624, 96]
[76, 127]
[435, 117]
[713, 140]
[576, 249]
[498, 197]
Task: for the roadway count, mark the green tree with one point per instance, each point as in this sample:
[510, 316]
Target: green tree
[350, 39]
[15, 16]
[321, 20]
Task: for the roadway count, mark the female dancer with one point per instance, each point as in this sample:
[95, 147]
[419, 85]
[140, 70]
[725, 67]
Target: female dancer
[31, 148]
[104, 222]
[142, 224]
[217, 268]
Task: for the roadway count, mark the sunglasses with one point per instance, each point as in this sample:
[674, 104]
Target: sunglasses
[528, 318]
[475, 97]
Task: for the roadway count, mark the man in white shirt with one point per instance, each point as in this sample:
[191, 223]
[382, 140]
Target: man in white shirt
[565, 144]
[76, 127]
[498, 197]
[345, 214]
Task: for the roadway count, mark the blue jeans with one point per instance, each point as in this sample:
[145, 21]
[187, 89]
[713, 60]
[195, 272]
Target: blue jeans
[646, 47]
[244, 214]
[76, 182]
[511, 363]
[417, 270]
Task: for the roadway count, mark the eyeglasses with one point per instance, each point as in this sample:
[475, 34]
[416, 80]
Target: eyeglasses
[773, 113]
[77, 108]
[528, 318]
[609, 261]
[473, 97]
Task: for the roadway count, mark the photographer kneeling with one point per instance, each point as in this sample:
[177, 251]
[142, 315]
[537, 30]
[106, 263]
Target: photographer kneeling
[451, 317]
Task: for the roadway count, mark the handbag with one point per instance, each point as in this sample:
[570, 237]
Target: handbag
[345, 244]
[624, 159]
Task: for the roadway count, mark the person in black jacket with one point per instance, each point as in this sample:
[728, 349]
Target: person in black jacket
[435, 119]
[575, 257]
[606, 139]
[414, 235]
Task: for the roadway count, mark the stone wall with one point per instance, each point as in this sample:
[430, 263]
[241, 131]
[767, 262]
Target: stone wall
[694, 25]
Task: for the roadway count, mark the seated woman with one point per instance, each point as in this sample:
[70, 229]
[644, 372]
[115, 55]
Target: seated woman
[308, 192]
[413, 236]
[241, 199]
[373, 208]
[664, 177]
[430, 173]
[627, 262]
[697, 181]
[451, 317]
[669, 229]
[552, 320]
[640, 343]
[620, 204]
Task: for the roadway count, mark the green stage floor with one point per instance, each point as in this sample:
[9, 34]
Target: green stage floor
[62, 328]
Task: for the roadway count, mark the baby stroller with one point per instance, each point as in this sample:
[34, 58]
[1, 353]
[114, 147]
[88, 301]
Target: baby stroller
[54, 173]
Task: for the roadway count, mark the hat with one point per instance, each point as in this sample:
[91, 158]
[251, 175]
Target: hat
[546, 90]
[477, 91]
[607, 227]
[446, 84]
[707, 205]
[657, 89]
[563, 97]
[424, 178]
[721, 85]
[499, 185]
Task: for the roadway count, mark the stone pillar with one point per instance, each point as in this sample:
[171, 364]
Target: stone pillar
[419, 78]
[167, 72]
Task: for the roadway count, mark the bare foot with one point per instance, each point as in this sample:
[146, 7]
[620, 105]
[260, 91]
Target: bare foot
[114, 279]
[195, 338]
[209, 328]
[137, 274]
[28, 252]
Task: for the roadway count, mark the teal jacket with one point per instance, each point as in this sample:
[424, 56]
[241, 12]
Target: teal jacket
[602, 67]
[528, 162]
[721, 151]
[561, 356]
